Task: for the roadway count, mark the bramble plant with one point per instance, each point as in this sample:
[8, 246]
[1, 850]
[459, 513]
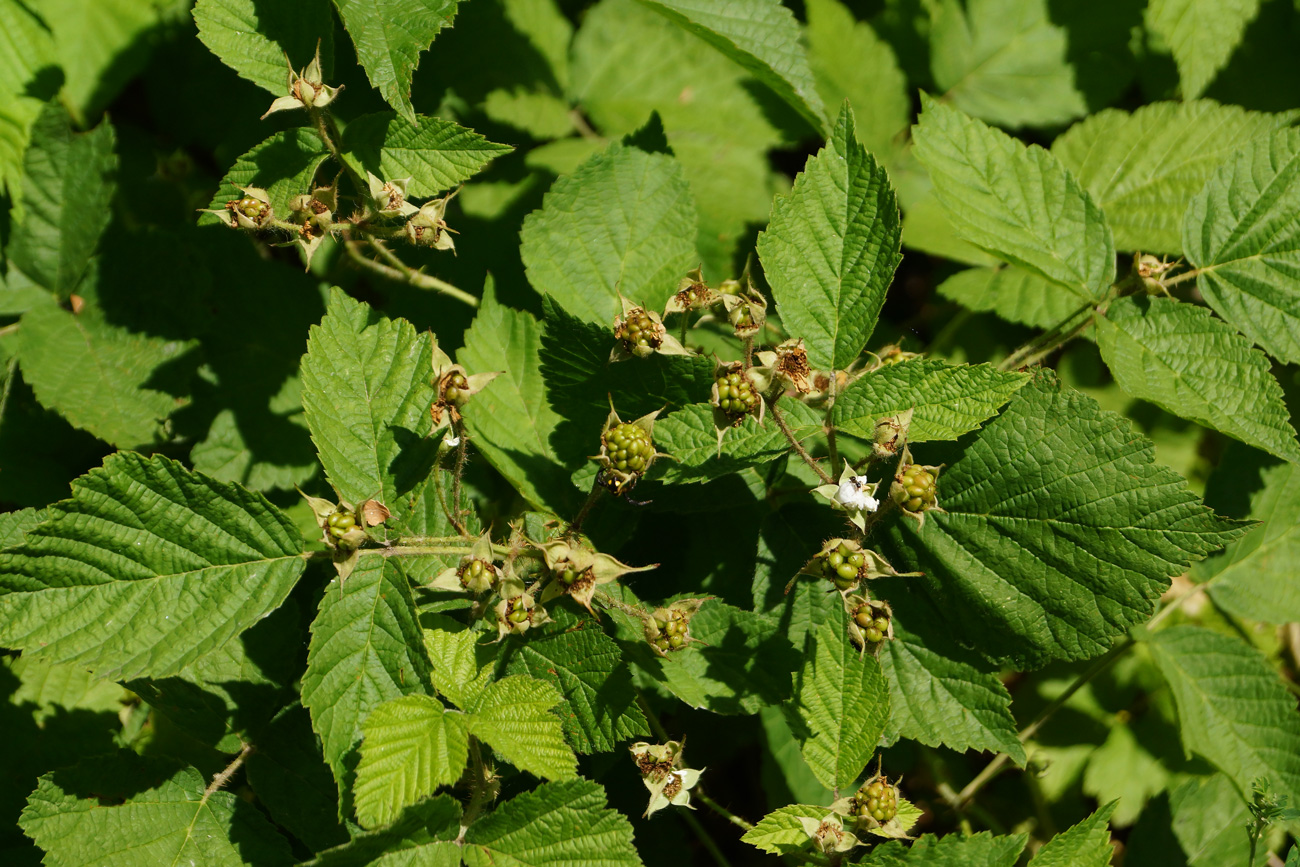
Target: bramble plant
[526, 442]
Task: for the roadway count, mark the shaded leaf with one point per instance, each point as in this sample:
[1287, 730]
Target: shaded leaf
[253, 38]
[1015, 294]
[283, 165]
[1201, 34]
[1087, 844]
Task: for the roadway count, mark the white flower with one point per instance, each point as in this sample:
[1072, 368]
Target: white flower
[451, 442]
[855, 492]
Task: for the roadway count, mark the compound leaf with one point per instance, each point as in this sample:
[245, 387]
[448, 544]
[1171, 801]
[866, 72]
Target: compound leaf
[1144, 168]
[1232, 708]
[1018, 203]
[366, 392]
[1201, 35]
[513, 716]
[586, 666]
[435, 154]
[67, 190]
[1240, 233]
[840, 705]
[1004, 61]
[141, 812]
[412, 746]
[206, 561]
[253, 38]
[831, 248]
[556, 824]
[456, 672]
[389, 36]
[946, 400]
[1183, 359]
[1059, 531]
[623, 222]
[760, 35]
[365, 649]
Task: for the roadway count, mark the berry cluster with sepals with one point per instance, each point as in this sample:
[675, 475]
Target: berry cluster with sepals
[843, 566]
[871, 622]
[639, 330]
[517, 611]
[577, 570]
[454, 389]
[876, 800]
[915, 491]
[874, 626]
[628, 447]
[736, 395]
[477, 575]
[671, 627]
[454, 386]
[252, 208]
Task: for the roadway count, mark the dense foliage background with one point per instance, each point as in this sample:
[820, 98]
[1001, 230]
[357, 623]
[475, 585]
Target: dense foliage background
[1055, 665]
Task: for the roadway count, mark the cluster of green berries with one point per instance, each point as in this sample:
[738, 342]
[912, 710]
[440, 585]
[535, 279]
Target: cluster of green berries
[640, 330]
[877, 800]
[736, 395]
[629, 448]
[873, 623]
[475, 573]
[516, 612]
[842, 565]
[340, 524]
[672, 632]
[254, 209]
[455, 389]
[917, 491]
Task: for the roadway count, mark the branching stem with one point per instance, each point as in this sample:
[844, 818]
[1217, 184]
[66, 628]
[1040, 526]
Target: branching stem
[795, 444]
[406, 274]
[1049, 341]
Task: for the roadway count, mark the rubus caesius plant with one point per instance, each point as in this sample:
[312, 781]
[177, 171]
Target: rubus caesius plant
[621, 493]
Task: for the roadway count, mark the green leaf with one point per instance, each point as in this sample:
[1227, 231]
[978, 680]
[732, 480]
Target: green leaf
[840, 705]
[94, 373]
[832, 247]
[423, 837]
[435, 154]
[1201, 35]
[1012, 293]
[253, 38]
[1254, 577]
[561, 823]
[100, 47]
[624, 222]
[412, 746]
[1005, 62]
[284, 165]
[743, 665]
[68, 181]
[937, 696]
[783, 764]
[14, 525]
[1143, 168]
[389, 36]
[121, 811]
[292, 781]
[456, 672]
[1239, 232]
[850, 62]
[366, 391]
[947, 400]
[1058, 533]
[249, 455]
[510, 421]
[208, 561]
[760, 35]
[513, 716]
[1233, 709]
[1180, 357]
[1087, 844]
[926, 227]
[951, 850]
[52, 689]
[690, 435]
[365, 649]
[26, 47]
[780, 831]
[629, 63]
[586, 666]
[1018, 203]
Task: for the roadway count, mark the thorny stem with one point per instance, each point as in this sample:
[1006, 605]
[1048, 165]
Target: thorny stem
[832, 453]
[325, 129]
[749, 352]
[1183, 277]
[406, 274]
[795, 444]
[723, 811]
[480, 789]
[1047, 342]
[224, 777]
[459, 429]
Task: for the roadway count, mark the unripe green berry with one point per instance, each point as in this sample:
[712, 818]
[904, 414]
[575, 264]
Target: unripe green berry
[835, 559]
[874, 635]
[916, 491]
[518, 614]
[863, 617]
[881, 624]
[846, 572]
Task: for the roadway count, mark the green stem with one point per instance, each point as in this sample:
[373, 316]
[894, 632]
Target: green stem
[457, 472]
[723, 811]
[329, 134]
[406, 274]
[686, 323]
[795, 444]
[481, 788]
[1183, 277]
[1047, 342]
[832, 453]
[224, 777]
[575, 526]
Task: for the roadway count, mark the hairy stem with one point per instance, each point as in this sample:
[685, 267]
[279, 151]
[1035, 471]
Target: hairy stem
[1049, 341]
[723, 811]
[329, 134]
[406, 274]
[224, 777]
[482, 788]
[575, 526]
[795, 444]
